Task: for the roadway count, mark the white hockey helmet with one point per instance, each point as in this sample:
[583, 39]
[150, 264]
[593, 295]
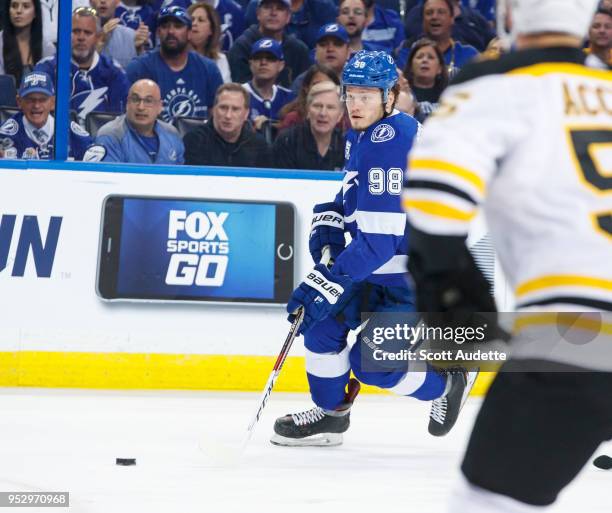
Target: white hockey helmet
[562, 16]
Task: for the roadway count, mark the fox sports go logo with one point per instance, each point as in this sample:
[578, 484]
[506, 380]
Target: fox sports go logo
[199, 246]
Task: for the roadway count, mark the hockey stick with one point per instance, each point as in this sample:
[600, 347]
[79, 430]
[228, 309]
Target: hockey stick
[280, 360]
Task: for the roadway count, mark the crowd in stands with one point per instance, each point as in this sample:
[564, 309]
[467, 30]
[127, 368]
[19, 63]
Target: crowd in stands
[229, 82]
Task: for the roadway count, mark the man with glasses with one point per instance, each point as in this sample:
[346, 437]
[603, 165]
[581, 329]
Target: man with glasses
[138, 136]
[98, 84]
[186, 79]
[368, 274]
[273, 17]
[29, 134]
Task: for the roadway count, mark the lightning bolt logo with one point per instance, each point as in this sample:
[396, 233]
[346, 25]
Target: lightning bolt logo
[349, 180]
[92, 100]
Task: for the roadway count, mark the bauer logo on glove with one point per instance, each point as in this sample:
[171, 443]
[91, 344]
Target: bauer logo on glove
[317, 295]
[331, 291]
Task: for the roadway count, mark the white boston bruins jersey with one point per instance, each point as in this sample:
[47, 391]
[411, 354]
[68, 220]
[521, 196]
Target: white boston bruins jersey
[528, 137]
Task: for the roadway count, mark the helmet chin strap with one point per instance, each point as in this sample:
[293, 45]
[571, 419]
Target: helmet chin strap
[385, 98]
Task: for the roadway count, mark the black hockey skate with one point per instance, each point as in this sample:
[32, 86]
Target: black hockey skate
[445, 410]
[316, 427]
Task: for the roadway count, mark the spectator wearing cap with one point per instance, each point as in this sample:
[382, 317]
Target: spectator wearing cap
[438, 20]
[97, 82]
[186, 79]
[317, 142]
[307, 16]
[116, 40]
[332, 50]
[227, 139]
[352, 15]
[230, 13]
[138, 136]
[272, 19]
[600, 36]
[384, 28]
[29, 133]
[267, 98]
[470, 27]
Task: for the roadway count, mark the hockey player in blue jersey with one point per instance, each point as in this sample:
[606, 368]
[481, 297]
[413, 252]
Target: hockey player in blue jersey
[368, 274]
[29, 134]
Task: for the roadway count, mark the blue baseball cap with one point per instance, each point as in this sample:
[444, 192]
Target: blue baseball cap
[267, 45]
[36, 82]
[333, 30]
[286, 3]
[176, 12]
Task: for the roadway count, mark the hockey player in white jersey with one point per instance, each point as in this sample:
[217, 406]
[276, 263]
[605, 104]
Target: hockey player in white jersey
[368, 273]
[528, 137]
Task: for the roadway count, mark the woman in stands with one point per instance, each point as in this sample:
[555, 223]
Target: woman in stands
[317, 142]
[426, 74]
[205, 36]
[294, 112]
[21, 42]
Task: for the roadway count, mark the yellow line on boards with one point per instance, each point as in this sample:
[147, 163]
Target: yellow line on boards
[160, 371]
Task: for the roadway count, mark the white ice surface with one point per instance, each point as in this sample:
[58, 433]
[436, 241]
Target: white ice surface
[67, 440]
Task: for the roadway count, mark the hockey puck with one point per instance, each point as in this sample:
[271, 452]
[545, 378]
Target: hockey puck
[603, 462]
[125, 461]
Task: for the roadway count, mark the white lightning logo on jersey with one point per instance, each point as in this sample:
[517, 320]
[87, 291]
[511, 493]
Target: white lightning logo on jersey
[93, 99]
[350, 178]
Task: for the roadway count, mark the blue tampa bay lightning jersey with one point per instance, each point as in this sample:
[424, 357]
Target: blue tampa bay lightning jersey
[21, 140]
[385, 32]
[103, 87]
[133, 16]
[189, 92]
[370, 199]
[269, 108]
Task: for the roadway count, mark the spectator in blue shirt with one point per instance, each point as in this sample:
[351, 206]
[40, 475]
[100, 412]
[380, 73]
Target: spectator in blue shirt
[469, 27]
[384, 28]
[307, 17]
[187, 80]
[273, 16]
[231, 15]
[332, 50]
[138, 136]
[116, 40]
[438, 25]
[133, 13]
[352, 15]
[97, 82]
[267, 98]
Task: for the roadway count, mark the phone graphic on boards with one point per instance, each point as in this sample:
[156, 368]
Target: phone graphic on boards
[185, 249]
